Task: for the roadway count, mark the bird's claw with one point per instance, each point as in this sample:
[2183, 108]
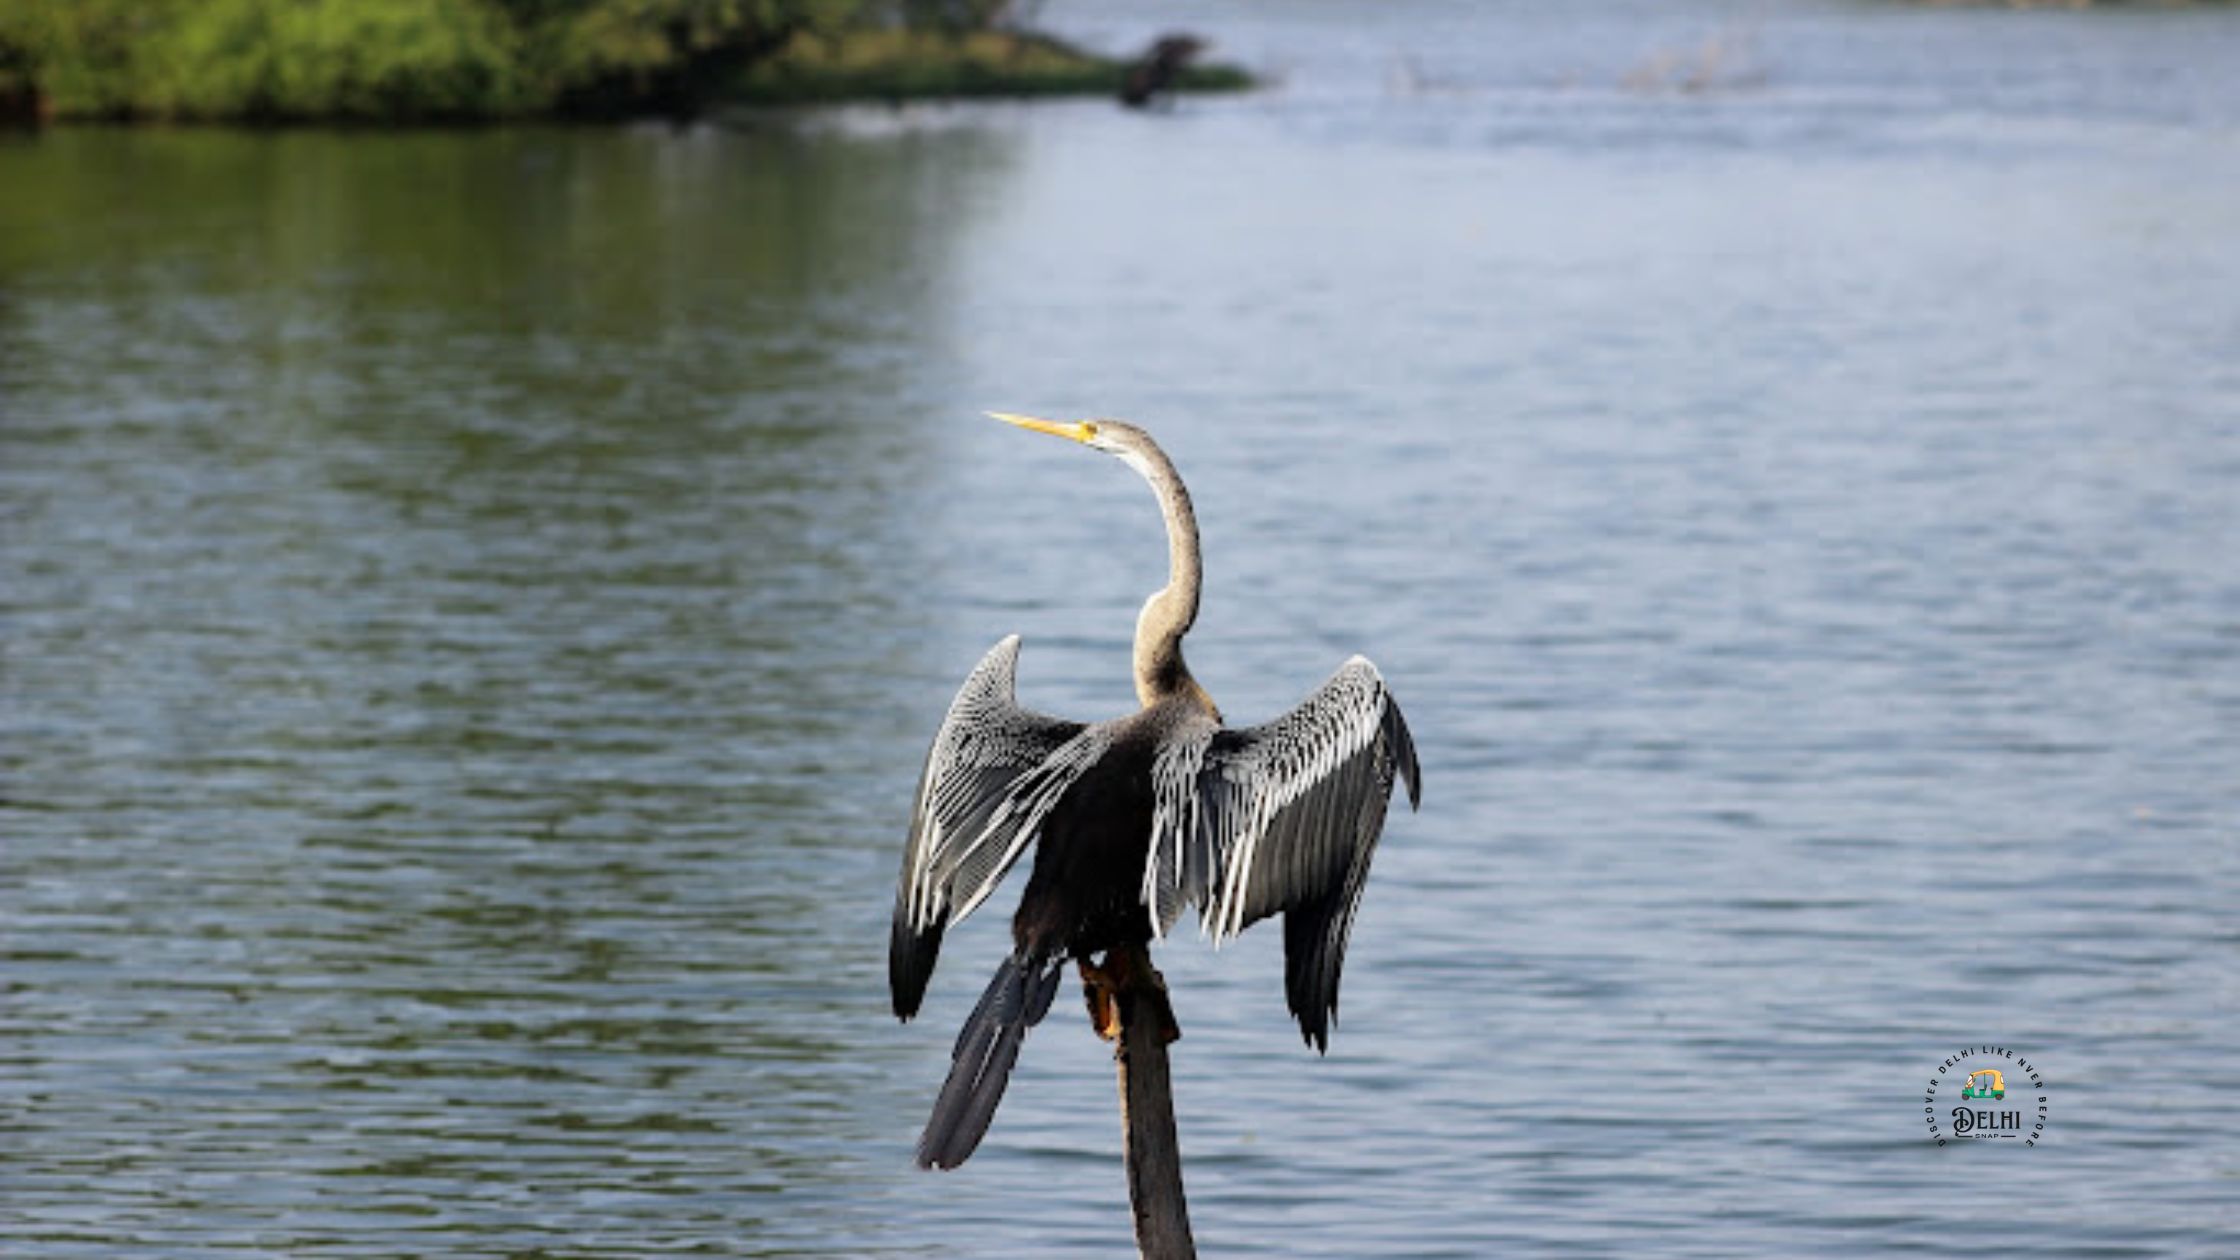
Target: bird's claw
[1126, 974]
[1104, 1006]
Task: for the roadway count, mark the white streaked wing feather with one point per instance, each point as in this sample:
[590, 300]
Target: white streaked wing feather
[1248, 821]
[1283, 820]
[1176, 818]
[1295, 783]
[993, 773]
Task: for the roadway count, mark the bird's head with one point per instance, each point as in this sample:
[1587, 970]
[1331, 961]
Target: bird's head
[1113, 437]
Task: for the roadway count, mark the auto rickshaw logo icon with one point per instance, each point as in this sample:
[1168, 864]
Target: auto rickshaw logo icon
[1994, 1085]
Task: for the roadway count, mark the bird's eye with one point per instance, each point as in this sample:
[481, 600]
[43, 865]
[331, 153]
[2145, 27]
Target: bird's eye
[1089, 428]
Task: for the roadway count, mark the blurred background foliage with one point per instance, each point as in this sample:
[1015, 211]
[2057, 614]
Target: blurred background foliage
[413, 60]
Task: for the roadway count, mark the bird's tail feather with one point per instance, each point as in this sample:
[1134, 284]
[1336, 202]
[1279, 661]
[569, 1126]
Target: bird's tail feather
[1016, 1000]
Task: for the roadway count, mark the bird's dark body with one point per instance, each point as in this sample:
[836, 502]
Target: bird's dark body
[1084, 897]
[1086, 891]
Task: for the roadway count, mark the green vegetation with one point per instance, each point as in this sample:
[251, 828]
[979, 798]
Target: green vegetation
[459, 60]
[903, 64]
[263, 58]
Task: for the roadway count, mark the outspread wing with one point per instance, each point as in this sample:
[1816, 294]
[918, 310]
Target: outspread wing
[1284, 819]
[993, 773]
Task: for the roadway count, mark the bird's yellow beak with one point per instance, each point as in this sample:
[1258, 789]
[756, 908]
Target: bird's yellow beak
[1079, 431]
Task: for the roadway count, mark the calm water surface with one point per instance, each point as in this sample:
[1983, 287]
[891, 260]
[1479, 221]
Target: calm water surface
[472, 606]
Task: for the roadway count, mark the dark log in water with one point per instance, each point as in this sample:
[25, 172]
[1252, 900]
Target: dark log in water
[1155, 71]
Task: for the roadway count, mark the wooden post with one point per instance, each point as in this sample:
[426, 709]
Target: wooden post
[1147, 1113]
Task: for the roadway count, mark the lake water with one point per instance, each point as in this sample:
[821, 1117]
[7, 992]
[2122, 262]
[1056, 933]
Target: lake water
[472, 605]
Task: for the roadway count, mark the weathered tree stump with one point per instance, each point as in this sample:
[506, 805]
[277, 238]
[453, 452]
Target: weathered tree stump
[1154, 1157]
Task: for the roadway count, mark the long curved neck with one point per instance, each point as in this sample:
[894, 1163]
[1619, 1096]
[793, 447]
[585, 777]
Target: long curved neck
[1169, 613]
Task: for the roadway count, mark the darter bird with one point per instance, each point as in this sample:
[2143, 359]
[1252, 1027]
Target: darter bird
[1132, 819]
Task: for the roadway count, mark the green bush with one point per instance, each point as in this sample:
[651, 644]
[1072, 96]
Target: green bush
[606, 56]
[350, 59]
[383, 59]
[446, 60]
[79, 54]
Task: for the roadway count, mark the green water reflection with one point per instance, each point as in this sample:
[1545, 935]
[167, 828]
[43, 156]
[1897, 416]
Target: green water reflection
[424, 551]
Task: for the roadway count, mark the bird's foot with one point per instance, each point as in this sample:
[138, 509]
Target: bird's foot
[1104, 1006]
[1127, 976]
